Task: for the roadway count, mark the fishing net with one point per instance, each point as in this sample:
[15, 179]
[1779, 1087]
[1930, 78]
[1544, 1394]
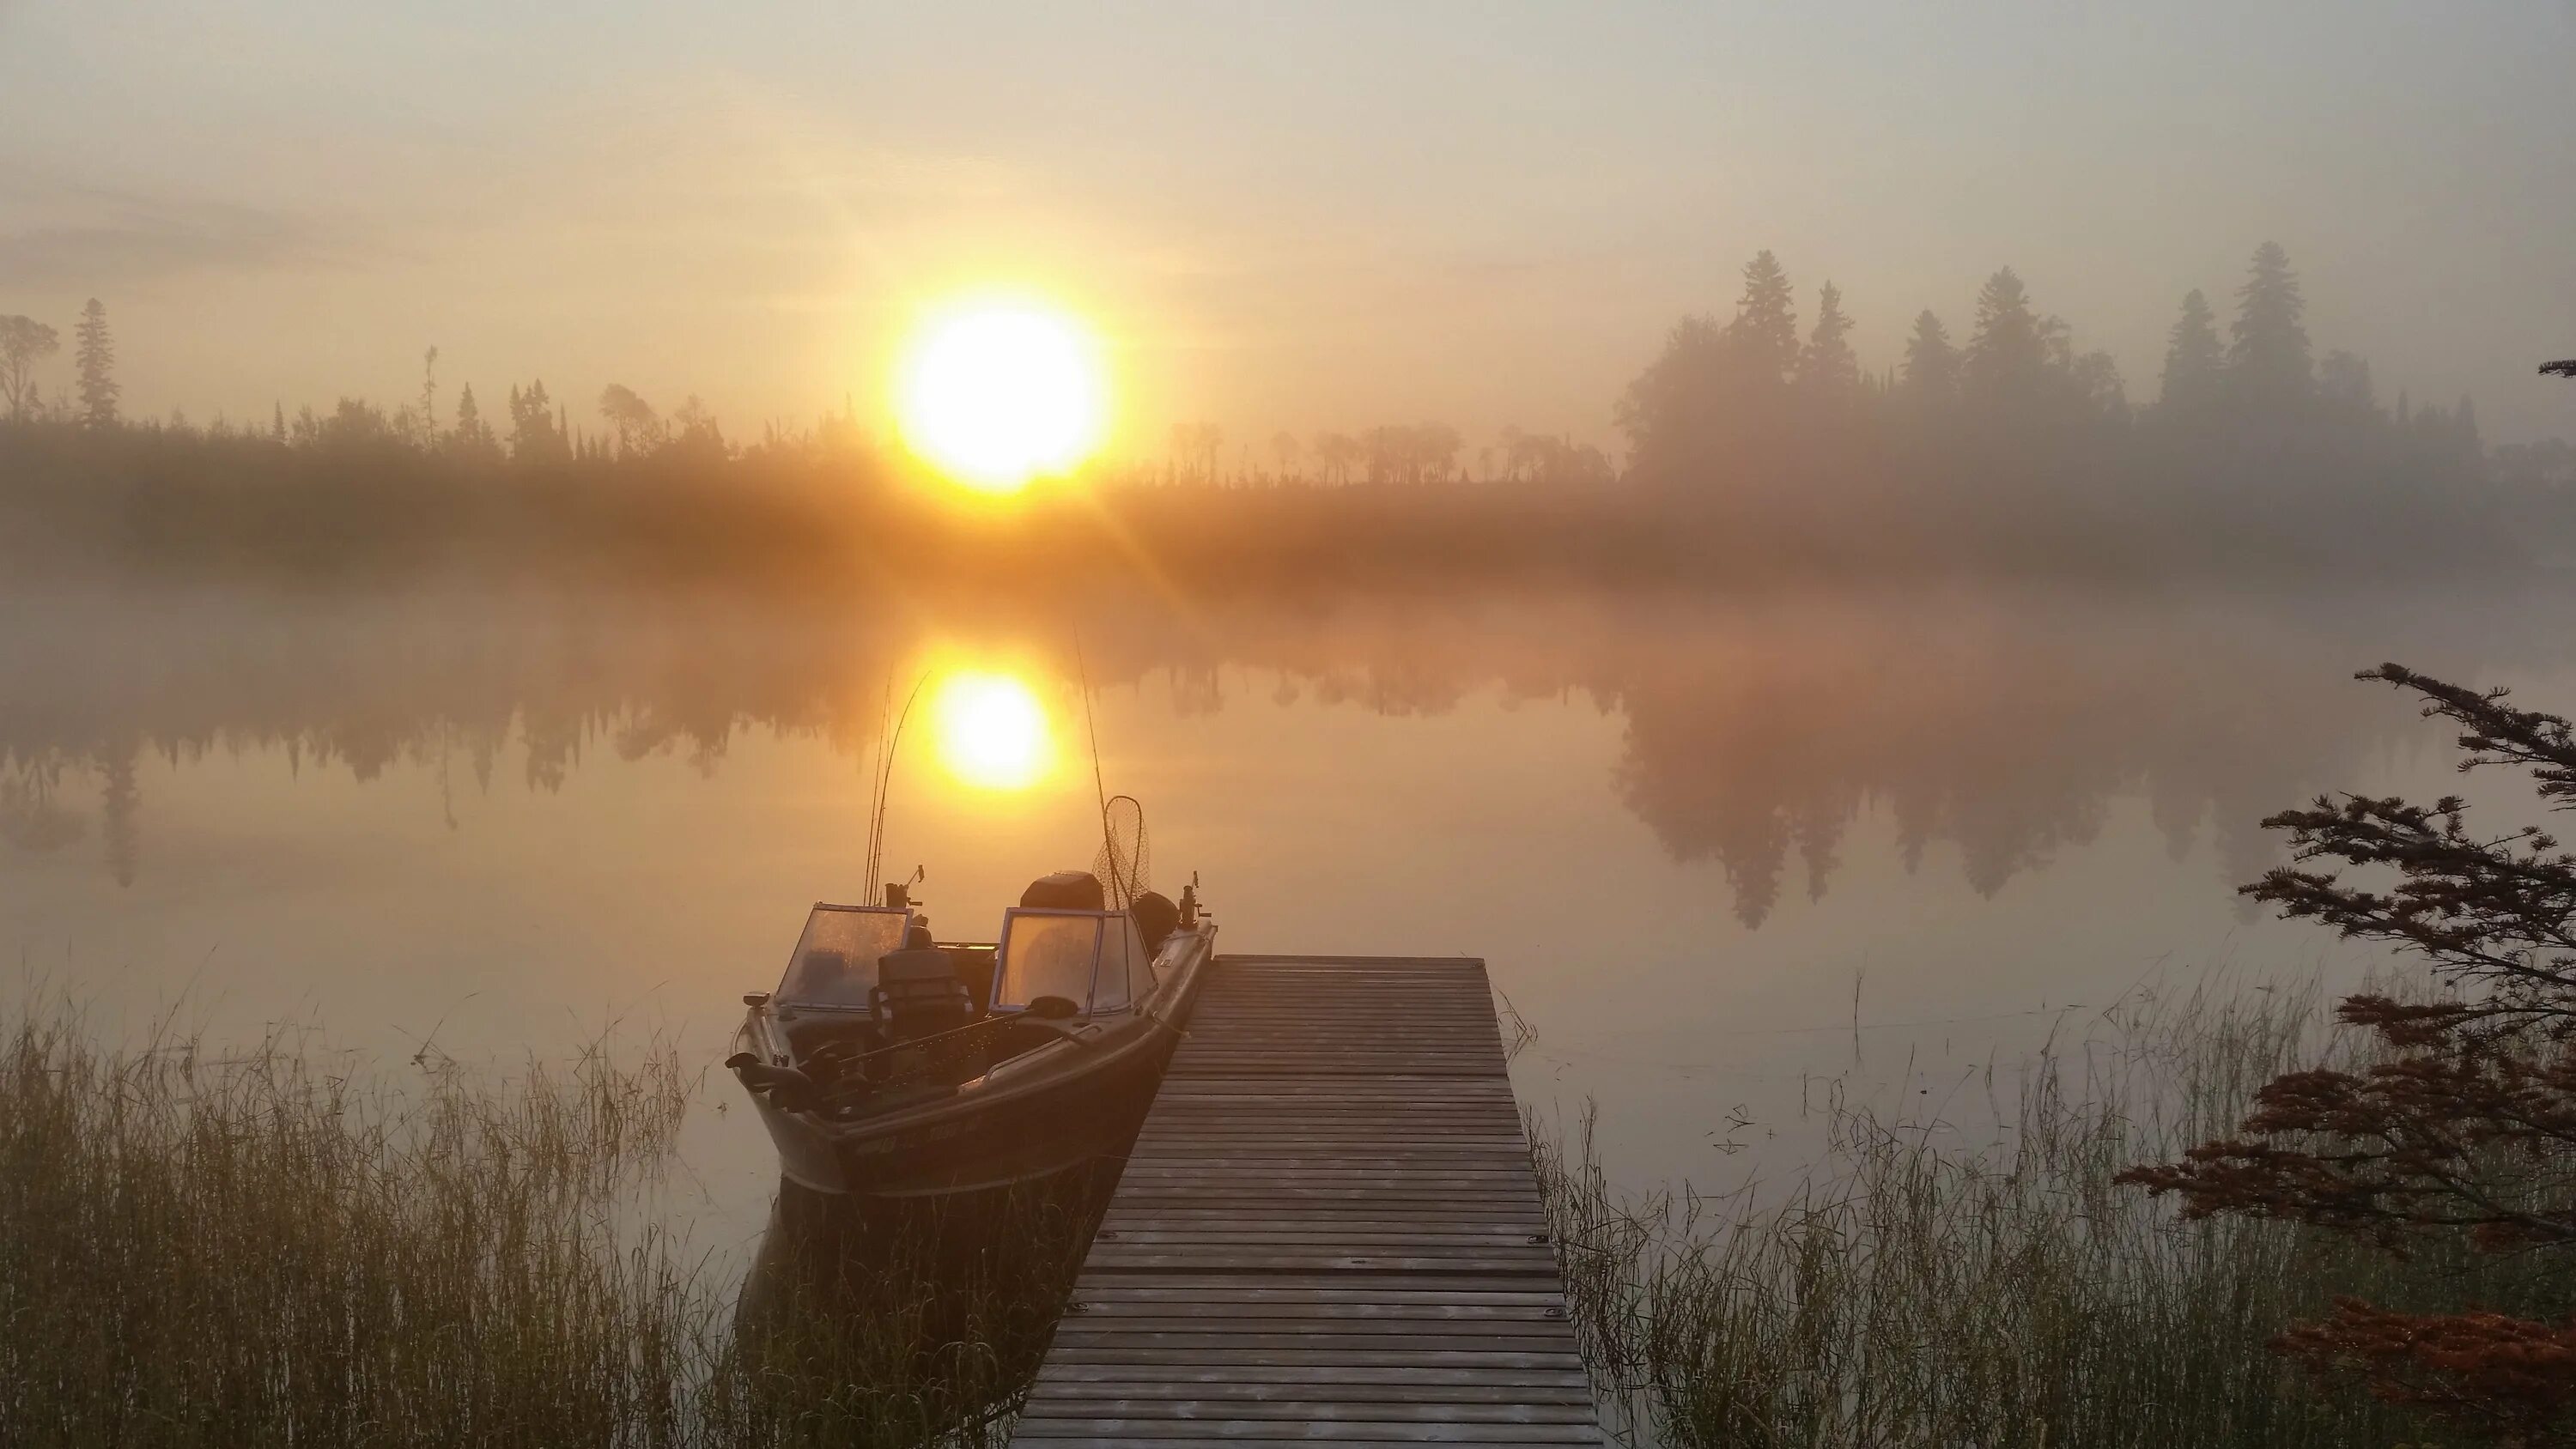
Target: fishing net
[1125, 862]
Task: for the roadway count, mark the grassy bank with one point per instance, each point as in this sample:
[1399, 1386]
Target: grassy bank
[205, 1250]
[1909, 1292]
[257, 1249]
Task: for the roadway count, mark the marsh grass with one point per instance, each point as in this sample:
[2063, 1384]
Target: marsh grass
[274, 1247]
[1913, 1292]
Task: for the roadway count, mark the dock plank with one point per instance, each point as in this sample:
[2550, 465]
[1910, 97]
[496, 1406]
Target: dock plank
[1327, 1231]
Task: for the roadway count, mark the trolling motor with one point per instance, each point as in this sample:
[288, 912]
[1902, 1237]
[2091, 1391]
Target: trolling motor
[790, 1089]
[899, 897]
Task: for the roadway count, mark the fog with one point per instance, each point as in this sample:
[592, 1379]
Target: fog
[1311, 218]
[1828, 549]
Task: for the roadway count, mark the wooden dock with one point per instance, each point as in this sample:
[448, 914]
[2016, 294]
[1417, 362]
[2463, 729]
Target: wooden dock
[1328, 1230]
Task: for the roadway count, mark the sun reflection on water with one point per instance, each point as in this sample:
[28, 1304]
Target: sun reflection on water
[991, 730]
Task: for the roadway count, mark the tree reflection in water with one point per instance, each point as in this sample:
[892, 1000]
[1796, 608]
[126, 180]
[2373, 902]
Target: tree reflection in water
[2002, 722]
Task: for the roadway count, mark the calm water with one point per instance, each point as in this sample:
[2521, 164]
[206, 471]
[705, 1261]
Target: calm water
[1718, 851]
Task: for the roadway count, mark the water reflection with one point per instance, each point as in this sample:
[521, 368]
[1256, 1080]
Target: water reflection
[992, 732]
[1756, 732]
[905, 1324]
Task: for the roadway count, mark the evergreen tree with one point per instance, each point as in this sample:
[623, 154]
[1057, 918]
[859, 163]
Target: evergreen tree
[277, 426]
[1827, 366]
[1765, 330]
[2193, 360]
[2005, 354]
[1664, 411]
[95, 358]
[473, 437]
[1931, 363]
[536, 434]
[2267, 352]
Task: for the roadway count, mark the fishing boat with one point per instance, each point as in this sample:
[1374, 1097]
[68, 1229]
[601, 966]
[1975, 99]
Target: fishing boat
[888, 1064]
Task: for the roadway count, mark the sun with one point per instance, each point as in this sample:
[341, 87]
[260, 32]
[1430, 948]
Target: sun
[992, 731]
[996, 393]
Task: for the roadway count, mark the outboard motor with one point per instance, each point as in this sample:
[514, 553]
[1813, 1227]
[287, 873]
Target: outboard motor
[1066, 890]
[1156, 919]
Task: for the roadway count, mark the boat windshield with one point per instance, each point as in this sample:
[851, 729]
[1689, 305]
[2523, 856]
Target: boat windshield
[836, 959]
[1093, 959]
[1047, 953]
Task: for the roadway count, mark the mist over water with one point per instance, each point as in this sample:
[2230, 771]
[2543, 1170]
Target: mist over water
[1718, 848]
[1829, 546]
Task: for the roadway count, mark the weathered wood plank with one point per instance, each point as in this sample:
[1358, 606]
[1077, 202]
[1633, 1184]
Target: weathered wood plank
[1327, 1229]
[1234, 1293]
[1449, 1286]
[1563, 1359]
[1309, 1411]
[1233, 1431]
[1233, 1390]
[1075, 1376]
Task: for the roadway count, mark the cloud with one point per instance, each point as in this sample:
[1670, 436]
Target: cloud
[88, 236]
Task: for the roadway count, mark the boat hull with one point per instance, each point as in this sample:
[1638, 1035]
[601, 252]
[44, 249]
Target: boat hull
[1085, 1106]
[983, 1146]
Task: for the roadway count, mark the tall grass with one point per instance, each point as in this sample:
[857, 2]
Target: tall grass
[1910, 1293]
[261, 1249]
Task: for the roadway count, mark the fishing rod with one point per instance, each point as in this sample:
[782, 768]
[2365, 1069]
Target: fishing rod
[888, 741]
[1099, 786]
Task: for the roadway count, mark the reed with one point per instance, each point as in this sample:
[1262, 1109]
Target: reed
[264, 1248]
[1908, 1292]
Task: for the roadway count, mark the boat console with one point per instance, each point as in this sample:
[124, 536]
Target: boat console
[874, 1015]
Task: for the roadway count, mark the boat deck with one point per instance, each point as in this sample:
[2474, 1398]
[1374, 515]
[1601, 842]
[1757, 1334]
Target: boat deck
[1328, 1230]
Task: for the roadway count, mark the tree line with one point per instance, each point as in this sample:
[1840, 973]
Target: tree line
[25, 342]
[1389, 455]
[1757, 443]
[2019, 434]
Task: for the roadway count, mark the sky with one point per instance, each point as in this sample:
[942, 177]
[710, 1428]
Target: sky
[1294, 216]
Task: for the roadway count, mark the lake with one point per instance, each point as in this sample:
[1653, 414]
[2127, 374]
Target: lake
[1723, 852]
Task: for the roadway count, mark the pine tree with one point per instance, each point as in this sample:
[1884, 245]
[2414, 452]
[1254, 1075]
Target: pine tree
[95, 359]
[277, 427]
[1765, 330]
[536, 435]
[2193, 361]
[472, 437]
[2267, 353]
[1931, 363]
[1827, 366]
[2005, 353]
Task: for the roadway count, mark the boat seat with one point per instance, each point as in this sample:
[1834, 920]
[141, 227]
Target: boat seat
[918, 993]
